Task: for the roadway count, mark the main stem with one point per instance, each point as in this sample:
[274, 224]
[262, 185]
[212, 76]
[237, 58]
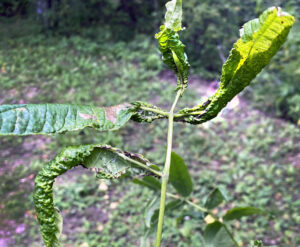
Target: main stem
[166, 172]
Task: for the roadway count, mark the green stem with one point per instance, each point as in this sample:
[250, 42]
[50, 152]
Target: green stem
[137, 163]
[231, 235]
[163, 113]
[166, 172]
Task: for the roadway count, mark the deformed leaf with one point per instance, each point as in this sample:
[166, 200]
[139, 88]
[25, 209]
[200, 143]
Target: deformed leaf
[173, 15]
[239, 212]
[171, 47]
[179, 176]
[215, 198]
[108, 161]
[49, 119]
[260, 40]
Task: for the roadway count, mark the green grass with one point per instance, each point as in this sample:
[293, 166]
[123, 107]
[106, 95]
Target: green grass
[247, 152]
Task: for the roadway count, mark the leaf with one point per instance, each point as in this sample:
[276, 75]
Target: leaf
[170, 46]
[215, 235]
[260, 40]
[149, 182]
[49, 119]
[196, 215]
[173, 15]
[215, 198]
[179, 176]
[239, 212]
[152, 210]
[105, 160]
[151, 214]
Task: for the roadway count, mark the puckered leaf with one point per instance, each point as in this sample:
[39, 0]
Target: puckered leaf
[107, 161]
[179, 176]
[260, 40]
[171, 47]
[173, 15]
[48, 119]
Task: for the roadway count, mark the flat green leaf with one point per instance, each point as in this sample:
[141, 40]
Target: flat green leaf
[49, 119]
[171, 48]
[239, 212]
[196, 215]
[179, 176]
[149, 182]
[215, 235]
[260, 40]
[152, 210]
[215, 198]
[107, 161]
[151, 214]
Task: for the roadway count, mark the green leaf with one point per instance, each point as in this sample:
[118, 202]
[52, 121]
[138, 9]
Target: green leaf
[173, 17]
[215, 198]
[49, 119]
[152, 210]
[179, 176]
[149, 182]
[239, 212]
[107, 161]
[171, 47]
[260, 40]
[196, 215]
[215, 235]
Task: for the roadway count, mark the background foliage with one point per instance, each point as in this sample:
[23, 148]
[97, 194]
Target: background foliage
[102, 51]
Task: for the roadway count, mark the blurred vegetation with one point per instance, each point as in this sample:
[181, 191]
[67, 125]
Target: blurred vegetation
[78, 52]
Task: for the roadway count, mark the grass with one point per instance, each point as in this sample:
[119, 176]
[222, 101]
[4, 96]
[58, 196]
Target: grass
[253, 156]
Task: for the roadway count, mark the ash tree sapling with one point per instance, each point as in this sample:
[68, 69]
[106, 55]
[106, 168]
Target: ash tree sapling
[259, 41]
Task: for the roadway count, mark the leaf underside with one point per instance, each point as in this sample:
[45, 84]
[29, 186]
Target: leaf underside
[107, 161]
[49, 119]
[260, 40]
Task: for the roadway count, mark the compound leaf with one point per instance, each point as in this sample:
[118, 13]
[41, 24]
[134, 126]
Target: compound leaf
[179, 176]
[239, 212]
[107, 161]
[260, 40]
[48, 119]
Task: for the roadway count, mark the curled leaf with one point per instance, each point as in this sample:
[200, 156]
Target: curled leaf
[107, 161]
[260, 40]
[171, 48]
